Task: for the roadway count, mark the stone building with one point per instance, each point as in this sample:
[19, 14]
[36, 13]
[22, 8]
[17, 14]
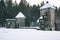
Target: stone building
[18, 22]
[10, 23]
[48, 13]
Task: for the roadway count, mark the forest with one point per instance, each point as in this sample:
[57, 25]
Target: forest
[9, 10]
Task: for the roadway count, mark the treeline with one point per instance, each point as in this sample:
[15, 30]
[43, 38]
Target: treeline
[9, 10]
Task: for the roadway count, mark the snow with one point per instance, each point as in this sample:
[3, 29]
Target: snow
[47, 5]
[40, 18]
[28, 34]
[10, 19]
[37, 20]
[20, 15]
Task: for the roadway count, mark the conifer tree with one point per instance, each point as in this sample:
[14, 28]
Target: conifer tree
[2, 12]
[9, 8]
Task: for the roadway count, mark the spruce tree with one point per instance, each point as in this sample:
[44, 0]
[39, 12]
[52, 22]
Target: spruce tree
[9, 8]
[2, 12]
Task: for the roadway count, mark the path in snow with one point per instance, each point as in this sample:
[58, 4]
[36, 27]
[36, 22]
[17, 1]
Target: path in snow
[28, 34]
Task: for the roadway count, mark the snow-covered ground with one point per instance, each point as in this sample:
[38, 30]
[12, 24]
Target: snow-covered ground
[28, 34]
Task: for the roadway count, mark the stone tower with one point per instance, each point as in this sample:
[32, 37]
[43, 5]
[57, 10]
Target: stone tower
[20, 20]
[48, 13]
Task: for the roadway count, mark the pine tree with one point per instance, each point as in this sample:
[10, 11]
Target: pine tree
[2, 12]
[9, 8]
[15, 9]
[42, 3]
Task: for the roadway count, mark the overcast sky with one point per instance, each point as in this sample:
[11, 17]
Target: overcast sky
[32, 2]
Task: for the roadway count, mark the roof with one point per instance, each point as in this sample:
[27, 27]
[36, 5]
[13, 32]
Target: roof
[10, 19]
[20, 15]
[47, 5]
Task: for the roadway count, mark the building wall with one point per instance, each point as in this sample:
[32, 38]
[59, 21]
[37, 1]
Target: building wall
[42, 12]
[52, 11]
[51, 16]
[20, 22]
[10, 24]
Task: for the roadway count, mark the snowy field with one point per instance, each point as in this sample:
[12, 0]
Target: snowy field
[28, 34]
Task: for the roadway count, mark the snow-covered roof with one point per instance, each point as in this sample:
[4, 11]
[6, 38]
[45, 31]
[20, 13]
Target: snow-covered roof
[10, 19]
[47, 5]
[39, 18]
[20, 15]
